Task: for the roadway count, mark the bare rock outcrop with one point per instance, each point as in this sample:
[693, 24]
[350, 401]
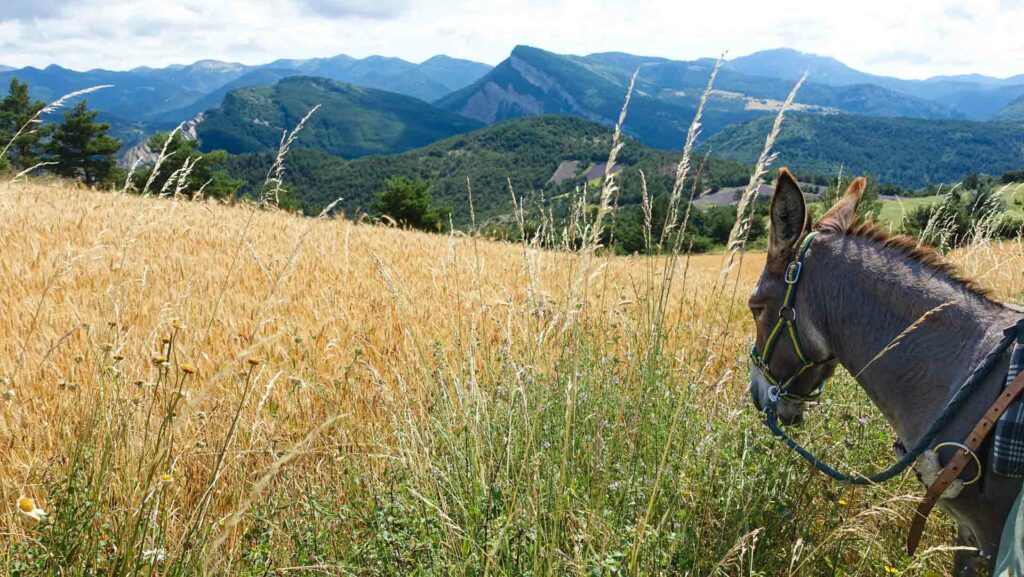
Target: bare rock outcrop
[141, 155]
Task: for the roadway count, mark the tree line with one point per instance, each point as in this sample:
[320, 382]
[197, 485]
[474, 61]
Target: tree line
[78, 147]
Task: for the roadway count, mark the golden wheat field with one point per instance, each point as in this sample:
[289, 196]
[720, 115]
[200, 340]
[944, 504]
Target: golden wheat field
[180, 379]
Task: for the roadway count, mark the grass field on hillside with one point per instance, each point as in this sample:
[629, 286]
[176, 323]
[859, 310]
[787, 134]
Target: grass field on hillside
[893, 211]
[193, 388]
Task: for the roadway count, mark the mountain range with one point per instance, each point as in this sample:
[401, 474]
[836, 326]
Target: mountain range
[533, 81]
[909, 132]
[176, 93]
[974, 96]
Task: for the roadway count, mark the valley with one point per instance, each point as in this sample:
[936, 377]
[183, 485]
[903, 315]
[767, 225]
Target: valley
[537, 125]
[339, 315]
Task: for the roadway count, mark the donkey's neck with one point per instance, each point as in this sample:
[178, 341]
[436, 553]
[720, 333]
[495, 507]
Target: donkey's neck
[869, 294]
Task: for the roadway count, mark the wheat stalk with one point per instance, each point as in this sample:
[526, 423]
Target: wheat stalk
[51, 107]
[895, 342]
[609, 186]
[744, 209]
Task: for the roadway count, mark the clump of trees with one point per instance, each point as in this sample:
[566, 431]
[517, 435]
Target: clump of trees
[1011, 176]
[81, 148]
[185, 170]
[408, 202]
[975, 210]
[78, 147]
[17, 133]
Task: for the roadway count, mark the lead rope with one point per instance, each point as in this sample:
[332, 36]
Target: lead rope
[948, 412]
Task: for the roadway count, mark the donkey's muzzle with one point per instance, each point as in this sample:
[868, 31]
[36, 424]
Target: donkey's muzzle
[755, 399]
[793, 419]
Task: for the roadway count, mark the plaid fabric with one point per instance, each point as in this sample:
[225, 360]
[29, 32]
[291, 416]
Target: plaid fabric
[1008, 445]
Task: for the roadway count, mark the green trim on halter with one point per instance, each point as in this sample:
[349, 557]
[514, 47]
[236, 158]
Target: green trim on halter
[786, 324]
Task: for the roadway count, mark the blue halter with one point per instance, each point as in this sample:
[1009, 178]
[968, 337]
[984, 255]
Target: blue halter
[785, 324]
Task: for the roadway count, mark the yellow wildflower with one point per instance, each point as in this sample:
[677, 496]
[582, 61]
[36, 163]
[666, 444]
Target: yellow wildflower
[188, 369]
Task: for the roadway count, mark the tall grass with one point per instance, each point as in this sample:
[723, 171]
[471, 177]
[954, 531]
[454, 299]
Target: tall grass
[200, 389]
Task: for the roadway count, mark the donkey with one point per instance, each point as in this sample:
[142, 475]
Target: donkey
[859, 288]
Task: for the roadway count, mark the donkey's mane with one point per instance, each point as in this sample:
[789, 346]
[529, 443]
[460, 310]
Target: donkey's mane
[921, 253]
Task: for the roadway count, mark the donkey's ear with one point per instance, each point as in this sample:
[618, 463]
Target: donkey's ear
[844, 211]
[788, 220]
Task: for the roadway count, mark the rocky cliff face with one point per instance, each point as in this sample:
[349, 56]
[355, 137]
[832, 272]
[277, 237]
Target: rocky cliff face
[520, 88]
[141, 155]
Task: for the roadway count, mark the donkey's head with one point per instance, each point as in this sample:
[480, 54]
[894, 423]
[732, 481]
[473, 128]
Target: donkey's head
[791, 357]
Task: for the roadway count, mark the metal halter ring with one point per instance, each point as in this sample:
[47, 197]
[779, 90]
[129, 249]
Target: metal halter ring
[783, 310]
[977, 461]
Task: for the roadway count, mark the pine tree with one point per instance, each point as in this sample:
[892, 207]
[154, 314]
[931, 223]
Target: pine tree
[81, 147]
[408, 202]
[202, 171]
[16, 110]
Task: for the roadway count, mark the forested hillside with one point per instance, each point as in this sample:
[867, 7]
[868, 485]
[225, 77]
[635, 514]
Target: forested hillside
[1014, 111]
[905, 151]
[351, 122]
[524, 152]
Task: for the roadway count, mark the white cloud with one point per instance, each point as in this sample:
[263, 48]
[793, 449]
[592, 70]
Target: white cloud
[917, 38]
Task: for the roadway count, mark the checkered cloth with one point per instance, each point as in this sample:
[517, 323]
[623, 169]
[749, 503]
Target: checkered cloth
[1008, 446]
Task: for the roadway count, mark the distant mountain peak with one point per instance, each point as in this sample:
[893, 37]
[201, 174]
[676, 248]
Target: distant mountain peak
[525, 50]
[445, 59]
[210, 64]
[791, 64]
[379, 58]
[783, 50]
[439, 58]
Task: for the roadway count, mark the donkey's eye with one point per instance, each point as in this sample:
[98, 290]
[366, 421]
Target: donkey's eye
[756, 310]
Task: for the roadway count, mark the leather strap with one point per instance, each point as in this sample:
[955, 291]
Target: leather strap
[956, 465]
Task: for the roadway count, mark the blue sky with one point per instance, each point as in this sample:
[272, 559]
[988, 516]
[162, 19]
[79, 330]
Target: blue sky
[911, 39]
